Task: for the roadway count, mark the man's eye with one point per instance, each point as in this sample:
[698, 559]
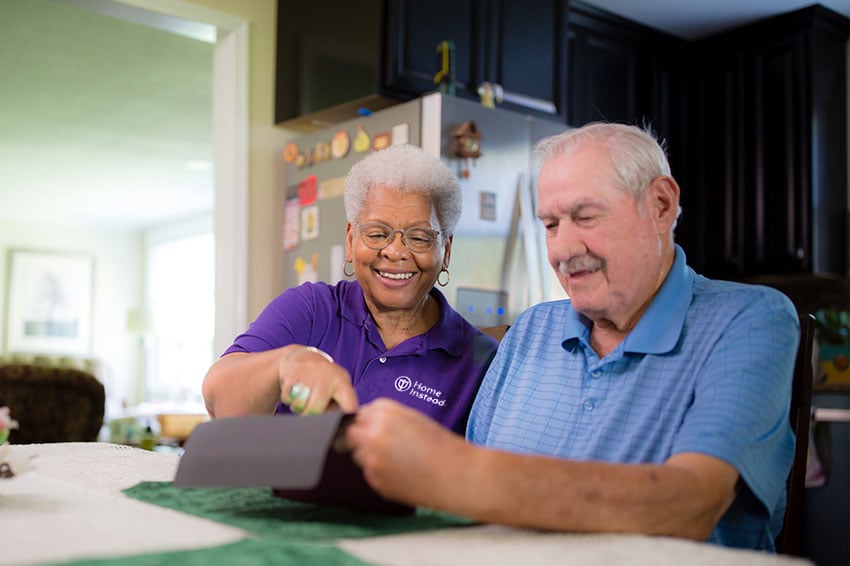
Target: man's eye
[376, 236]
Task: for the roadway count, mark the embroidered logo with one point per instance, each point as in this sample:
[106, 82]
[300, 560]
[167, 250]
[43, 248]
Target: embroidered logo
[402, 383]
[420, 391]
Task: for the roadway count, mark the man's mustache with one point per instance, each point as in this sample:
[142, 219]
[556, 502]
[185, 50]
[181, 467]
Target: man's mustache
[584, 262]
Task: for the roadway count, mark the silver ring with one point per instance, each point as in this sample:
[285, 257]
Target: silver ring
[299, 392]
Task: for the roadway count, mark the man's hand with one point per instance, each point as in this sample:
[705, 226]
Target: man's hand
[404, 454]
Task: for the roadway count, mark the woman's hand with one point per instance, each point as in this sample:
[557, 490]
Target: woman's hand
[310, 382]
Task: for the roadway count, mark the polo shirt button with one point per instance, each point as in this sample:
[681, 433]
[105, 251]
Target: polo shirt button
[382, 360]
[588, 405]
[596, 373]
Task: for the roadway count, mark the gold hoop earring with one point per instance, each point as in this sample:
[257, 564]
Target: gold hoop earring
[448, 277]
[344, 265]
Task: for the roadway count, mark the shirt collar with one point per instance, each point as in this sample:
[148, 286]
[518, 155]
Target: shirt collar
[446, 334]
[660, 326]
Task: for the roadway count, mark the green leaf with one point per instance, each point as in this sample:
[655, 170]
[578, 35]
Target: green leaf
[832, 326]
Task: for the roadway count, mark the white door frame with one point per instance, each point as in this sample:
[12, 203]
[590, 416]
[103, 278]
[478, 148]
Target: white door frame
[230, 140]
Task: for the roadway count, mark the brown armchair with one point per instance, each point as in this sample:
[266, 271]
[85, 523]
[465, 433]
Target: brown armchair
[52, 404]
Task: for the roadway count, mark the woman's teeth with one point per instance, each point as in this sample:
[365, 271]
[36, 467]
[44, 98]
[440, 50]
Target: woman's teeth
[396, 276]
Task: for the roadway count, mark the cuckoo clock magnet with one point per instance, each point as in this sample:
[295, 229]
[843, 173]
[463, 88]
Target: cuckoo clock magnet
[467, 145]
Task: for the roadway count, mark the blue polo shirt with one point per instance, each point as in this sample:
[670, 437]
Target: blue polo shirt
[707, 369]
[437, 372]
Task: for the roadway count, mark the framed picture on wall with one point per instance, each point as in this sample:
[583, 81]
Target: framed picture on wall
[49, 302]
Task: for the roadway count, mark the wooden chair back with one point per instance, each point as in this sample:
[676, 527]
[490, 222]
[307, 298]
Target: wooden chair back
[789, 540]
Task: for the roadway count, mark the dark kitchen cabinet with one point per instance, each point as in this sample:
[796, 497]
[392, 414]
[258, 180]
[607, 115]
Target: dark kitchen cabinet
[509, 42]
[328, 60]
[619, 71]
[415, 29]
[622, 71]
[769, 135]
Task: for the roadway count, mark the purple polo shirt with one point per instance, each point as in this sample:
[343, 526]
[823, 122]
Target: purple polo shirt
[437, 373]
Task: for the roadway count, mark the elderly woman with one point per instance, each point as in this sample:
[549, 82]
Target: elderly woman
[388, 333]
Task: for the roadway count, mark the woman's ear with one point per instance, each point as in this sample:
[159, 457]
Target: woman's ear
[447, 252]
[349, 241]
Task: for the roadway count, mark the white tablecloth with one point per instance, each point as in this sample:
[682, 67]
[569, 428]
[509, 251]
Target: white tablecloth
[70, 507]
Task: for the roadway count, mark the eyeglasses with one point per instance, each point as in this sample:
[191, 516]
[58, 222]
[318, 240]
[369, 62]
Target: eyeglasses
[378, 236]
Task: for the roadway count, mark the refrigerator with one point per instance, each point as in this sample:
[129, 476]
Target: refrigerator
[498, 263]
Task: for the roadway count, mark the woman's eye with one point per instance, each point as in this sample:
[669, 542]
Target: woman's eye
[420, 237]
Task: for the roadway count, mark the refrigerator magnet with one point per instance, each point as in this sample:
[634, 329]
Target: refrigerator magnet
[381, 141]
[305, 271]
[401, 133]
[309, 223]
[331, 188]
[321, 152]
[340, 144]
[291, 224]
[362, 141]
[290, 152]
[307, 191]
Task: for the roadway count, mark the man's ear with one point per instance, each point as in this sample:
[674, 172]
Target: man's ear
[664, 201]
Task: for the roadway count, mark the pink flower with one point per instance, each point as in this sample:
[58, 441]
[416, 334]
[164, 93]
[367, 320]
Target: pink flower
[7, 423]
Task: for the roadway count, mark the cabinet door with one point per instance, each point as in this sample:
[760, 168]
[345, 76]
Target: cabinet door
[616, 73]
[509, 42]
[323, 62]
[751, 201]
[712, 223]
[779, 192]
[772, 143]
[415, 28]
[526, 56]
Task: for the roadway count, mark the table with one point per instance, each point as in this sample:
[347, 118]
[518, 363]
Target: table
[72, 507]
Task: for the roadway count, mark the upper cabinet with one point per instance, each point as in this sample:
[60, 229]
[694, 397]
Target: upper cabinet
[622, 71]
[414, 32]
[619, 71]
[502, 42]
[328, 59]
[769, 141]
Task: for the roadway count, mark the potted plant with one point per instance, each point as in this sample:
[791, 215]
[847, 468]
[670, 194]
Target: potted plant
[832, 330]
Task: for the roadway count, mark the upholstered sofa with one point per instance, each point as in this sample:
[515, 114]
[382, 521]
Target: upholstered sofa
[52, 403]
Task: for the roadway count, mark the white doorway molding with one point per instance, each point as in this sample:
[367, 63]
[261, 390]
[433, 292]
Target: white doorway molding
[230, 140]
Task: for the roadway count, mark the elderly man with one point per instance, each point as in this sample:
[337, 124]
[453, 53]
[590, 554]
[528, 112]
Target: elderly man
[653, 400]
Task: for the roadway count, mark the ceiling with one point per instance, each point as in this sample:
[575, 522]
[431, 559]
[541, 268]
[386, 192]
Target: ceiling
[695, 19]
[106, 122]
[103, 122]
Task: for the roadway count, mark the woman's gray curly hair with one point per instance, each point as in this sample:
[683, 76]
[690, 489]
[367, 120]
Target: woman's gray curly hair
[405, 168]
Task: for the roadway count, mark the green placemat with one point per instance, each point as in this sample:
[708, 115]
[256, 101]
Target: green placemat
[281, 531]
[259, 512]
[248, 552]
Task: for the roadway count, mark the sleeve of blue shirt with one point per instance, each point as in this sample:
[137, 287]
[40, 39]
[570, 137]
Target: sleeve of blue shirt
[742, 396]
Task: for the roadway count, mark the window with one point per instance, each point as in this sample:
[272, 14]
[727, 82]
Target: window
[181, 302]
